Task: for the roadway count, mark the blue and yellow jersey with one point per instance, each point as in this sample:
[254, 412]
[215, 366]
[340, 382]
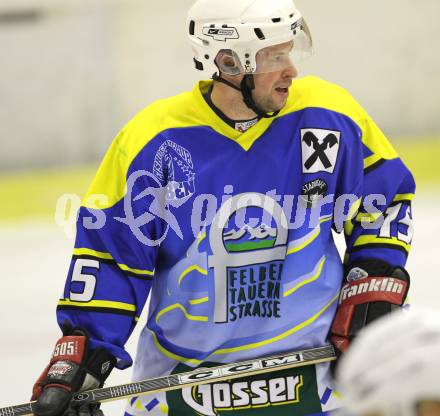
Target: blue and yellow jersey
[230, 236]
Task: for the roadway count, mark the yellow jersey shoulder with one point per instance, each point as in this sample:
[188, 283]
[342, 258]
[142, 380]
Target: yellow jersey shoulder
[171, 112]
[312, 91]
[167, 113]
[137, 133]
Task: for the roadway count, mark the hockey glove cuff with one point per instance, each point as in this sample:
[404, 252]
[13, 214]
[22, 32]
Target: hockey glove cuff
[73, 367]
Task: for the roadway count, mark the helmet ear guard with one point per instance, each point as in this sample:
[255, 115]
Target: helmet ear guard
[228, 62]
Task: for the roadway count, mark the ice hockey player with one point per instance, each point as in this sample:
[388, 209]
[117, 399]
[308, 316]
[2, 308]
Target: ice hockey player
[218, 204]
[392, 367]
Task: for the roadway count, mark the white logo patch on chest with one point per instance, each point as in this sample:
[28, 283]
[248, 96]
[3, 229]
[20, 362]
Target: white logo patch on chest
[319, 150]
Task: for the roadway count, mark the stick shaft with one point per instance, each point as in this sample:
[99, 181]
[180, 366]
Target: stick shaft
[192, 378]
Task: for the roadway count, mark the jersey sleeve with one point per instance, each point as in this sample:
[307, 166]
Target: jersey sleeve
[112, 267]
[379, 225]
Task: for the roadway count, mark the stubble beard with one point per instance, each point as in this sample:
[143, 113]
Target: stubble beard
[269, 105]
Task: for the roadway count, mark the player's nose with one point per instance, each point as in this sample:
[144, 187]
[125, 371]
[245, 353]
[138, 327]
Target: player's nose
[290, 71]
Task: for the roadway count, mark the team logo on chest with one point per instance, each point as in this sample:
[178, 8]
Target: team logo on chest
[247, 259]
[319, 150]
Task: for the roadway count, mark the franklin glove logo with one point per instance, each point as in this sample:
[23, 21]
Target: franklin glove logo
[386, 289]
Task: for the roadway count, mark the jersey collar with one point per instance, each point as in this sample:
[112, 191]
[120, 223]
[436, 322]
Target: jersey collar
[211, 119]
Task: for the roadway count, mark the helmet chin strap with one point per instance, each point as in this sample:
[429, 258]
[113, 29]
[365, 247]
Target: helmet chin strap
[246, 87]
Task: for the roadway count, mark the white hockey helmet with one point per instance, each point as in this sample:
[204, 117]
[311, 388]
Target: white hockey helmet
[243, 29]
[393, 364]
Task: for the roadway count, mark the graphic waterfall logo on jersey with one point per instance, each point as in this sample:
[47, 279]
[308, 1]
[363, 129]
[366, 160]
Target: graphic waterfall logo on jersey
[319, 150]
[248, 259]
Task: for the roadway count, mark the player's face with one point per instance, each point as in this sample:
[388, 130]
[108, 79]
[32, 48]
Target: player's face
[272, 88]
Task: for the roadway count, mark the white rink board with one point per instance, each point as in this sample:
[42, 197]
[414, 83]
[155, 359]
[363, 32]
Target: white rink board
[34, 261]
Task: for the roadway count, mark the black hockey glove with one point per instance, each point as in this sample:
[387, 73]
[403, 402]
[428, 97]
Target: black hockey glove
[73, 367]
[372, 288]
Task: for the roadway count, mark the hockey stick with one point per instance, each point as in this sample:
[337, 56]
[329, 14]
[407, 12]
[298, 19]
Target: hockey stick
[191, 378]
